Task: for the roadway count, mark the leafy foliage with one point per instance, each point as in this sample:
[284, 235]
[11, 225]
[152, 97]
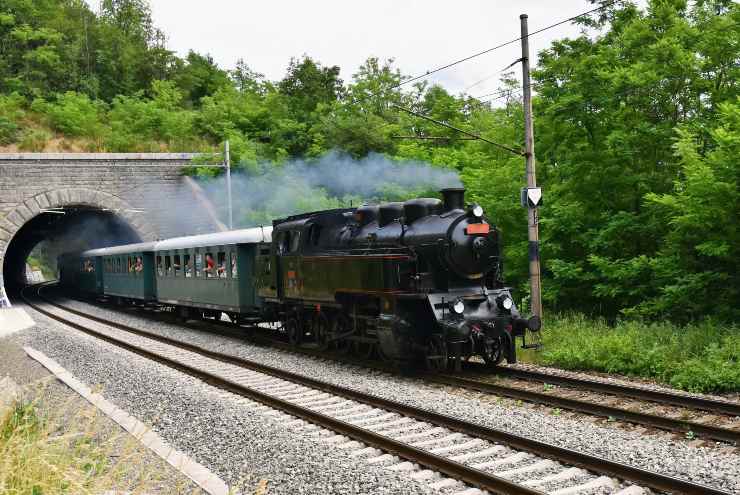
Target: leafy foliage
[699, 357]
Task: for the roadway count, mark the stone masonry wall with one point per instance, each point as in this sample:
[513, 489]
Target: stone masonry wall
[145, 189]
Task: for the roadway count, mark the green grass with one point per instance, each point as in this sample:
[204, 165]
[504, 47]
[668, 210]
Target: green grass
[65, 448]
[703, 357]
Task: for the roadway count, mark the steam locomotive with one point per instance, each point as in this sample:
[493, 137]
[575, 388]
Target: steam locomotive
[418, 281]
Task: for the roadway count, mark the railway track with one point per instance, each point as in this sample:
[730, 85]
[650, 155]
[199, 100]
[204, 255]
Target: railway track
[392, 433]
[679, 400]
[481, 383]
[596, 406]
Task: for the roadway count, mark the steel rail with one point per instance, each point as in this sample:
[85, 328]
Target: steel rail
[728, 435]
[704, 404]
[662, 422]
[593, 463]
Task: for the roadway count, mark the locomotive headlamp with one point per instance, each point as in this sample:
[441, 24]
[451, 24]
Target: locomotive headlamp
[477, 211]
[458, 307]
[506, 302]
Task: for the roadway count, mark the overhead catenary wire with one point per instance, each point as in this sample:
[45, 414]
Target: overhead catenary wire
[465, 59]
[501, 45]
[456, 129]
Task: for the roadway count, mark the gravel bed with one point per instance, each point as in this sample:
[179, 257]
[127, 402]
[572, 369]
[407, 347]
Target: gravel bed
[661, 452]
[218, 429]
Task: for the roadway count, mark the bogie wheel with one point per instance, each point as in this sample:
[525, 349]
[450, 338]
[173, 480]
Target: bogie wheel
[294, 330]
[493, 352]
[436, 356]
[341, 325]
[363, 350]
[321, 328]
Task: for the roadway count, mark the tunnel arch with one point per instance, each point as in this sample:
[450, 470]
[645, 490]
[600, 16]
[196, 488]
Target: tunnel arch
[17, 229]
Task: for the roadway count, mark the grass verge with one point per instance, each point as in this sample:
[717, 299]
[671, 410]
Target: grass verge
[69, 448]
[703, 357]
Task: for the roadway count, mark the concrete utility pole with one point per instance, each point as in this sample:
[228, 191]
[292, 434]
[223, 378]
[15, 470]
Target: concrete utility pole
[227, 164]
[533, 195]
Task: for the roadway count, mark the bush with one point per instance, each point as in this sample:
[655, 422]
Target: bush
[11, 112]
[34, 140]
[73, 114]
[702, 357]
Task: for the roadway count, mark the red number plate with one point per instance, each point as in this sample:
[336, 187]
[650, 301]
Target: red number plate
[478, 228]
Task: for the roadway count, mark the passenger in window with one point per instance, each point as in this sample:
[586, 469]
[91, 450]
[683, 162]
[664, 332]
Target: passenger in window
[210, 268]
[222, 265]
[139, 266]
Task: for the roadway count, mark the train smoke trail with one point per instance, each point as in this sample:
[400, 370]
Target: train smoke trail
[335, 180]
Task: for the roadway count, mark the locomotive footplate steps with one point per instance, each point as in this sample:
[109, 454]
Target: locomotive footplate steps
[445, 465]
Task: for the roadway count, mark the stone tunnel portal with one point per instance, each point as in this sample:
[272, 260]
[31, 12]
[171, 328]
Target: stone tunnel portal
[64, 229]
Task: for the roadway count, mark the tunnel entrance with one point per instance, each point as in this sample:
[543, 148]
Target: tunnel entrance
[64, 229]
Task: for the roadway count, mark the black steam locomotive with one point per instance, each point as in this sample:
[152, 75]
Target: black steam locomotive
[408, 282]
[421, 278]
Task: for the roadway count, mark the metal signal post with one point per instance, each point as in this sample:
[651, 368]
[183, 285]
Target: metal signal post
[227, 164]
[532, 197]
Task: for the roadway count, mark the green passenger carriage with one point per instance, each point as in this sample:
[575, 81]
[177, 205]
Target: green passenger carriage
[84, 273]
[211, 273]
[127, 271]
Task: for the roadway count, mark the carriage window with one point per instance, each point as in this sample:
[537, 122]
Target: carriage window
[188, 266]
[221, 265]
[233, 266]
[198, 264]
[168, 265]
[160, 267]
[118, 265]
[210, 266]
[295, 240]
[176, 264]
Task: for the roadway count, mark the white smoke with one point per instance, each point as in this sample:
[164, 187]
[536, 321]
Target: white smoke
[335, 180]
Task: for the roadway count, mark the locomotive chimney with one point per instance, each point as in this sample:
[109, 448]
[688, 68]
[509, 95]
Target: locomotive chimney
[454, 198]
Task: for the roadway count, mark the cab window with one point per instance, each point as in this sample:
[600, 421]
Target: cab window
[295, 241]
[283, 242]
